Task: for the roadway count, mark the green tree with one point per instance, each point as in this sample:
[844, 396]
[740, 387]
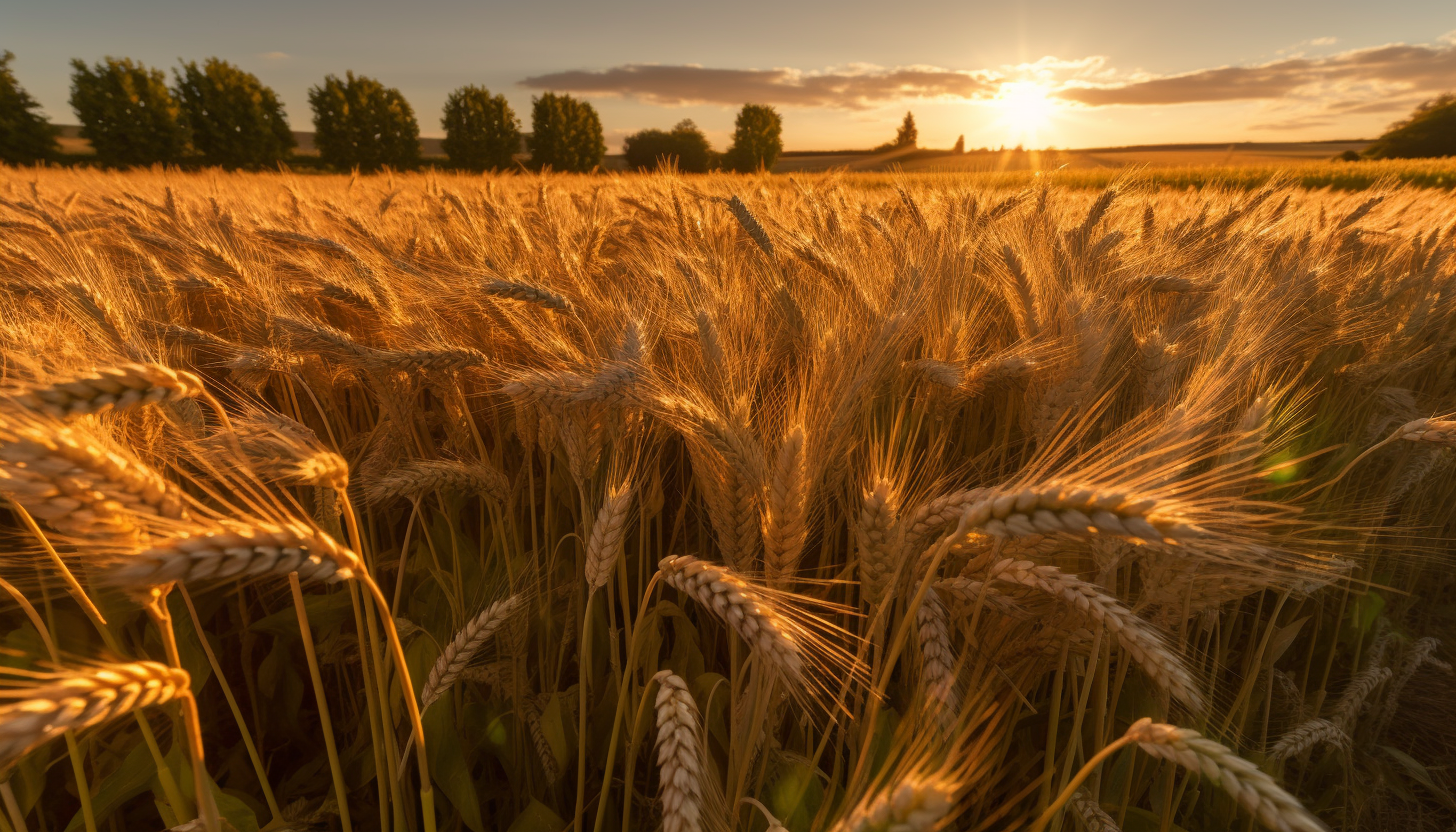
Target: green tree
[1429, 131]
[127, 112]
[566, 134]
[235, 121]
[686, 147]
[25, 136]
[359, 122]
[757, 139]
[481, 130]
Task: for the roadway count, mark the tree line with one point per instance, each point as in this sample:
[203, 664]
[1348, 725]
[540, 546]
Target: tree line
[218, 114]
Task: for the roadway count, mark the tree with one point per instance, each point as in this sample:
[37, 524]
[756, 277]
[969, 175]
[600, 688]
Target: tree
[359, 122]
[481, 130]
[235, 121]
[127, 112]
[1429, 131]
[907, 136]
[757, 139]
[960, 145]
[25, 135]
[566, 134]
[686, 147]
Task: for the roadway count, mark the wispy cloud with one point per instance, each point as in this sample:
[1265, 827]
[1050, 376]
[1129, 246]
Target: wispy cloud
[274, 56]
[1372, 80]
[860, 86]
[1356, 73]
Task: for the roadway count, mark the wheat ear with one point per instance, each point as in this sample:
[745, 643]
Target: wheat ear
[739, 604]
[68, 478]
[527, 293]
[419, 477]
[878, 520]
[1361, 685]
[1252, 788]
[463, 647]
[786, 511]
[1307, 735]
[1068, 509]
[937, 659]
[915, 804]
[1091, 813]
[79, 699]
[605, 543]
[932, 516]
[751, 225]
[237, 551]
[120, 388]
[1135, 636]
[679, 755]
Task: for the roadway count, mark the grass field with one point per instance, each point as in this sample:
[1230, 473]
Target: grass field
[847, 501]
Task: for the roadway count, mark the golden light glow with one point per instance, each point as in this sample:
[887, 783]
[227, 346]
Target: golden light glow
[1025, 109]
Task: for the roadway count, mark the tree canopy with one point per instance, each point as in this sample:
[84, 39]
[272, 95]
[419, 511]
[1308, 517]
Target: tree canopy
[481, 130]
[684, 147]
[566, 134]
[235, 121]
[25, 135]
[757, 139]
[127, 112]
[1429, 131]
[359, 122]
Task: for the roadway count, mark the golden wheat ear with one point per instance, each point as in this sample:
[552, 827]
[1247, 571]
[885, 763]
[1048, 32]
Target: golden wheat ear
[784, 628]
[45, 705]
[111, 389]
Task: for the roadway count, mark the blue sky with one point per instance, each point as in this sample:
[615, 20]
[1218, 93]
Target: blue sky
[1066, 74]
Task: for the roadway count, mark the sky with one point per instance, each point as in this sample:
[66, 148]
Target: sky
[1051, 73]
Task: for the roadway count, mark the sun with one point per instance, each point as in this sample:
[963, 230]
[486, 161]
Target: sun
[1025, 108]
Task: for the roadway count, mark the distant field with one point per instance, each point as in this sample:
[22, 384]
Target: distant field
[1186, 155]
[1306, 164]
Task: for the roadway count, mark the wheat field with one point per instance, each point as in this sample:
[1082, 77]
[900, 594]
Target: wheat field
[431, 502]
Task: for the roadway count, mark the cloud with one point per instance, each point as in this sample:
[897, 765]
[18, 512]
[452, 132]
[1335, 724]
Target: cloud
[1324, 41]
[1401, 67]
[274, 56]
[860, 86]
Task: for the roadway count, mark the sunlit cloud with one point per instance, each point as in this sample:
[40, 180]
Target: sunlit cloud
[274, 56]
[859, 86]
[1361, 73]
